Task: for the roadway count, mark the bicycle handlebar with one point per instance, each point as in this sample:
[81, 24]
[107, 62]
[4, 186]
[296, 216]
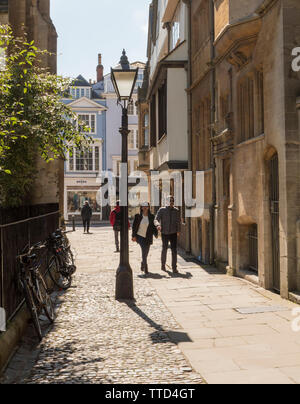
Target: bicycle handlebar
[38, 246]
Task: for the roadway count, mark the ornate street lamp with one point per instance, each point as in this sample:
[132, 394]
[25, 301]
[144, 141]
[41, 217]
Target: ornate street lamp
[124, 80]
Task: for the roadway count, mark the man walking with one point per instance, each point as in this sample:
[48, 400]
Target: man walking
[86, 214]
[168, 222]
[116, 222]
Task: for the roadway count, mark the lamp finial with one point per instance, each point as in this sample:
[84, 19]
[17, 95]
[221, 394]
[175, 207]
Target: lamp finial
[124, 61]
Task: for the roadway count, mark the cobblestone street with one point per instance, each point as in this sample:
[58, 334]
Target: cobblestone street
[98, 340]
[196, 327]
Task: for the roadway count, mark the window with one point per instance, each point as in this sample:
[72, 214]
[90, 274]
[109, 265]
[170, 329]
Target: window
[84, 159]
[76, 200]
[246, 109]
[162, 111]
[224, 112]
[87, 159]
[157, 23]
[153, 121]
[97, 159]
[131, 109]
[261, 108]
[175, 34]
[202, 139]
[79, 92]
[251, 106]
[71, 160]
[146, 130]
[89, 120]
[132, 140]
[138, 85]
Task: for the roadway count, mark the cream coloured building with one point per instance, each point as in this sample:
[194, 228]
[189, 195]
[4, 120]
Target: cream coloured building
[163, 100]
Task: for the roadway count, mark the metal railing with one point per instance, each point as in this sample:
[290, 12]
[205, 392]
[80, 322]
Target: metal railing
[19, 228]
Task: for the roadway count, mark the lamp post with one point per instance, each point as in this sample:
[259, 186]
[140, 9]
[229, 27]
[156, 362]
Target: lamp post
[124, 80]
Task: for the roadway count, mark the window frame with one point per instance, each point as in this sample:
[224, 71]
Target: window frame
[162, 111]
[90, 115]
[72, 160]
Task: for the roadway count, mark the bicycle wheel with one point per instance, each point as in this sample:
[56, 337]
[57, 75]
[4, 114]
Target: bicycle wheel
[33, 310]
[69, 260]
[62, 281]
[46, 299]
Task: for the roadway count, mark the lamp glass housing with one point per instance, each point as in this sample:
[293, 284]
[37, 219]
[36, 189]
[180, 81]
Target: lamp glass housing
[124, 82]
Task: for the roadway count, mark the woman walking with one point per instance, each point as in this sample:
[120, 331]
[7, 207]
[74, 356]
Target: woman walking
[143, 231]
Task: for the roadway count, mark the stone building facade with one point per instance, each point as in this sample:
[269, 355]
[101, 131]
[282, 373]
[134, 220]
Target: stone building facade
[34, 16]
[201, 100]
[244, 97]
[243, 132]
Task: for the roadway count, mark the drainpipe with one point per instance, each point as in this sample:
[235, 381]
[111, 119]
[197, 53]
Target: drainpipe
[190, 117]
[212, 132]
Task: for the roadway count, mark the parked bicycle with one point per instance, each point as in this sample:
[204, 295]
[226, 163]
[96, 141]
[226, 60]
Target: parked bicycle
[67, 251]
[61, 264]
[36, 293]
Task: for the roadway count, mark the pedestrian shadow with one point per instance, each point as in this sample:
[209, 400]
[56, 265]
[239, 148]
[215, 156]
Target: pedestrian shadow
[152, 276]
[187, 275]
[161, 335]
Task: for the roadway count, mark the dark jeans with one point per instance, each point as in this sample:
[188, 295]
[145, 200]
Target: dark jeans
[86, 224]
[145, 246]
[172, 238]
[117, 232]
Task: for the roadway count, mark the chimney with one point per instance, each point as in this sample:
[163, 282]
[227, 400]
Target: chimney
[99, 69]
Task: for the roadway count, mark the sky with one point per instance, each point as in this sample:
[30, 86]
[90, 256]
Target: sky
[86, 28]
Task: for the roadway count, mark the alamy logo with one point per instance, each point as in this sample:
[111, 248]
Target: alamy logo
[2, 320]
[188, 189]
[296, 321]
[296, 61]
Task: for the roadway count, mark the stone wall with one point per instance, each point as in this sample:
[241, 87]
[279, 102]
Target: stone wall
[256, 119]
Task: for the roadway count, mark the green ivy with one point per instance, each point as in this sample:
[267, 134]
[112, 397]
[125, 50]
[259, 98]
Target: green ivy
[33, 120]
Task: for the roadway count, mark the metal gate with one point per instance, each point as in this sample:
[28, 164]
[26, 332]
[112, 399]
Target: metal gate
[274, 206]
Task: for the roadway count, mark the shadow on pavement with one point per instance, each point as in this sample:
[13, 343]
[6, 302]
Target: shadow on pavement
[152, 276]
[211, 270]
[160, 336]
[187, 275]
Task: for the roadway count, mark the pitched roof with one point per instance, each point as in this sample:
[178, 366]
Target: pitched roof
[80, 81]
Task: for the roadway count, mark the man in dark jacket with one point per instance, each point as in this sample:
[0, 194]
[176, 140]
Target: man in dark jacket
[168, 222]
[86, 214]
